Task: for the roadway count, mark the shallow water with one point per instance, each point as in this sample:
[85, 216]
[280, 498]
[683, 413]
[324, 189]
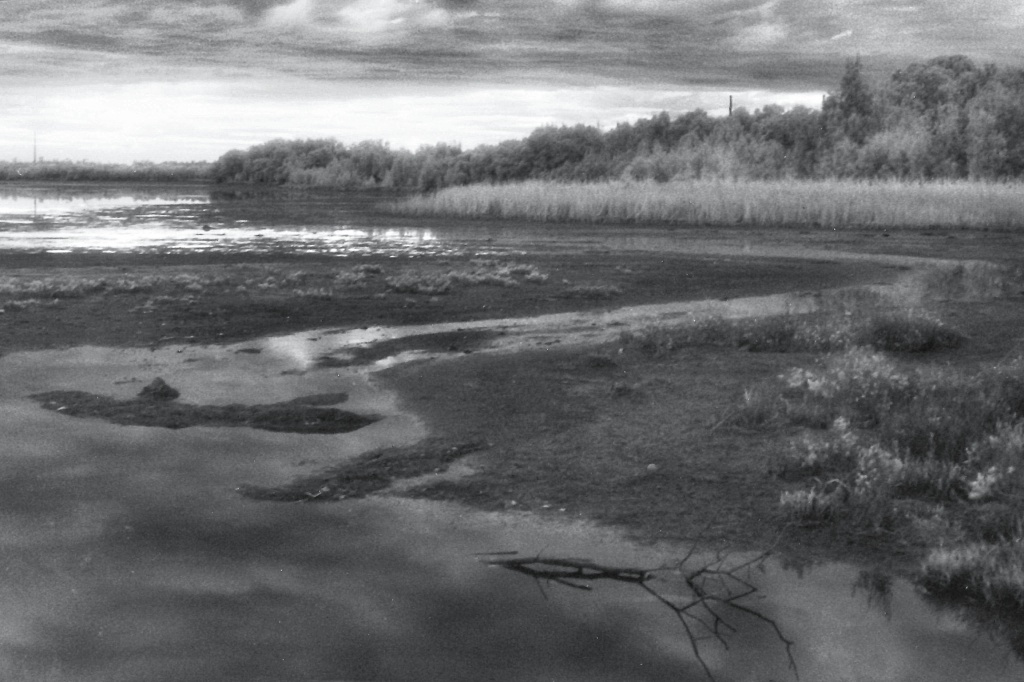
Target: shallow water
[201, 219]
[141, 220]
[127, 554]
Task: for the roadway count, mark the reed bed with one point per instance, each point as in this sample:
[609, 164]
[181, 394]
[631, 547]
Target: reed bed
[826, 204]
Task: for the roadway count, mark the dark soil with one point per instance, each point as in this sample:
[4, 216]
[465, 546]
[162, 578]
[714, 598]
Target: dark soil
[221, 313]
[367, 474]
[301, 415]
[460, 341]
[645, 443]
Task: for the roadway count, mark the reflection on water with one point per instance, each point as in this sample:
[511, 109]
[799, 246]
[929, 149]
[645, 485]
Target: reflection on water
[166, 238]
[126, 554]
[138, 220]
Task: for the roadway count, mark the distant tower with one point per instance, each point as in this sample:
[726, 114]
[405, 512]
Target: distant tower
[730, 105]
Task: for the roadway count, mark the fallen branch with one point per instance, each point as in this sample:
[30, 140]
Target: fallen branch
[715, 587]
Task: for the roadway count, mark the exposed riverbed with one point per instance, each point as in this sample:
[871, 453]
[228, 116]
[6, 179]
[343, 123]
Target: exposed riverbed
[129, 555]
[128, 552]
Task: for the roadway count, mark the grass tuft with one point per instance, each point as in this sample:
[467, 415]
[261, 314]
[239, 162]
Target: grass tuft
[828, 329]
[990, 573]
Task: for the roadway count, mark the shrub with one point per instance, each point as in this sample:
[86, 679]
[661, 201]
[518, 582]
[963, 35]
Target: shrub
[993, 573]
[824, 331]
[419, 283]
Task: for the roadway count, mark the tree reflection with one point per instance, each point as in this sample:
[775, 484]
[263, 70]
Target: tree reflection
[716, 589]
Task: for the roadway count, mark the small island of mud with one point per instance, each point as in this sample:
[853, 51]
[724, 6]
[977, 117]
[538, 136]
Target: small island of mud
[156, 406]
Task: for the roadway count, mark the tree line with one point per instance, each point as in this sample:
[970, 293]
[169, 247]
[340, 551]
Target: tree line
[946, 118]
[86, 171]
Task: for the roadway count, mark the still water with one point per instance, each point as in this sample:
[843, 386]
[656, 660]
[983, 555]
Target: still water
[126, 554]
[189, 220]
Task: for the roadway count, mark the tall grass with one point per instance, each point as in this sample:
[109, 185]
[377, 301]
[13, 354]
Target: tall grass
[828, 204]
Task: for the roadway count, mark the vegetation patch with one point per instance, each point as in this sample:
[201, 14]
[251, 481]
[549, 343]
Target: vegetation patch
[158, 407]
[934, 454]
[834, 327]
[992, 573]
[831, 204]
[368, 473]
[484, 272]
[594, 291]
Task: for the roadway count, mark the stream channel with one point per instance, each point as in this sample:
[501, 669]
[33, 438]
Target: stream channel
[127, 554]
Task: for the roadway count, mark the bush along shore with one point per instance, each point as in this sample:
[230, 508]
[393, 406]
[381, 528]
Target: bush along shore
[888, 447]
[943, 119]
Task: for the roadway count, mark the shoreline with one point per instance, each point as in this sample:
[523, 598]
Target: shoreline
[574, 419]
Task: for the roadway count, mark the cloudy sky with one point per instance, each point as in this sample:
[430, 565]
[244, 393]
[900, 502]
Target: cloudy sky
[124, 80]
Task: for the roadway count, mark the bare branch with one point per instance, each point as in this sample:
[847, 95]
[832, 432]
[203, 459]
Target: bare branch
[714, 587]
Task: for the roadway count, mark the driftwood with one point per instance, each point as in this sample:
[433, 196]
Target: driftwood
[716, 587]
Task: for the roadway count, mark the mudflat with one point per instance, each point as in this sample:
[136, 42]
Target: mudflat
[592, 431]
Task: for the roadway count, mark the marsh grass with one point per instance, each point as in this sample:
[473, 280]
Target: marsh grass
[888, 441]
[831, 204]
[842, 320]
[990, 572]
[18, 293]
[962, 281]
[480, 272]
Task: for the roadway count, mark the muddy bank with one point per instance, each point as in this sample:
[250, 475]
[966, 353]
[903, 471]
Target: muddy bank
[159, 408]
[369, 473]
[61, 300]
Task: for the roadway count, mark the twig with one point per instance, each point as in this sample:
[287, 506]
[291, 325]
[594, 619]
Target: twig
[714, 586]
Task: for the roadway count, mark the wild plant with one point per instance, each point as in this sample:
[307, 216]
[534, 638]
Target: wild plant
[594, 291]
[827, 330]
[420, 283]
[898, 439]
[860, 385]
[991, 572]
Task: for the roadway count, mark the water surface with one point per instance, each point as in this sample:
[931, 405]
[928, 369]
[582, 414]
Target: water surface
[188, 220]
[127, 555]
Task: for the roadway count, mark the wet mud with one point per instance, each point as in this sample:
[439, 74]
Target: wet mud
[369, 473]
[305, 414]
[455, 341]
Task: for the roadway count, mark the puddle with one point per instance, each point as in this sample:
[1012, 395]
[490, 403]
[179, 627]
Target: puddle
[128, 554]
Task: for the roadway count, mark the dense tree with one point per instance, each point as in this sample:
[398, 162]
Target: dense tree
[944, 118]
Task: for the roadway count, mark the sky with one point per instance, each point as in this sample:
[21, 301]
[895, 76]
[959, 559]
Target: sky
[183, 80]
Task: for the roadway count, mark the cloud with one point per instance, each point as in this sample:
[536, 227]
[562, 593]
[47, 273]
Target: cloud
[299, 12]
[759, 37]
[782, 46]
[363, 22]
[686, 41]
[202, 120]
